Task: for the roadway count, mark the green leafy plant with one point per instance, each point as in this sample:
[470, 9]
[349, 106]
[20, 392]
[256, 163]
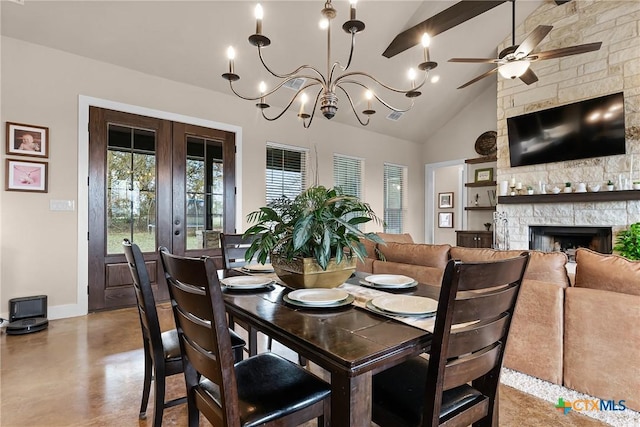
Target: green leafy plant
[609, 182]
[567, 184]
[628, 242]
[320, 223]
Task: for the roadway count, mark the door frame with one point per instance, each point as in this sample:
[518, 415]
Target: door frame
[84, 102]
[430, 208]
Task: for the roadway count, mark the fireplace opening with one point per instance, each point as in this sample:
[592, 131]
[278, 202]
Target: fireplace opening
[568, 239]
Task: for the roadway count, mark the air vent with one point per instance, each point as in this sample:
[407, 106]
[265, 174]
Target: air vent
[395, 116]
[295, 84]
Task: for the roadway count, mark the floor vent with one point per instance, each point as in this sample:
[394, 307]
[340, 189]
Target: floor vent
[295, 84]
[395, 116]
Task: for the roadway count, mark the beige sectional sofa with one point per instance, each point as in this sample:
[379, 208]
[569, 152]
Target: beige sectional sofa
[585, 336]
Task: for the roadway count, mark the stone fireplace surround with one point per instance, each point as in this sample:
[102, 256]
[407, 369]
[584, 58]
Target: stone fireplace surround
[614, 68]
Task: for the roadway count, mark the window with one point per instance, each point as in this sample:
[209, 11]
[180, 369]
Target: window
[395, 204]
[347, 174]
[286, 171]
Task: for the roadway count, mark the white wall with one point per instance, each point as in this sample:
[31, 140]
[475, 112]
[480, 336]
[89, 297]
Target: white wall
[456, 140]
[41, 86]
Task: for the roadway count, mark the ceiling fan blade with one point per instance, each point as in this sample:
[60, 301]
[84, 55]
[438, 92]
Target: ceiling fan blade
[567, 51]
[476, 60]
[533, 40]
[480, 77]
[439, 23]
[529, 77]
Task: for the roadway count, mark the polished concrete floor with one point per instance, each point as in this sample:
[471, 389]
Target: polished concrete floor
[87, 371]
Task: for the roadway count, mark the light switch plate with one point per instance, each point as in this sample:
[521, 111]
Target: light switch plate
[62, 205]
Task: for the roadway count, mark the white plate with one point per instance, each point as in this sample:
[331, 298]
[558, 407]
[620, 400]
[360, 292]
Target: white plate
[246, 282]
[259, 268]
[318, 296]
[376, 286]
[389, 280]
[405, 304]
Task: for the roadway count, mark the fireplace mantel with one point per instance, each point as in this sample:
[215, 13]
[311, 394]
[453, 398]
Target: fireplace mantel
[601, 196]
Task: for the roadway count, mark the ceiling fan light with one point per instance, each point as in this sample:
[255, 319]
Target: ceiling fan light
[514, 69]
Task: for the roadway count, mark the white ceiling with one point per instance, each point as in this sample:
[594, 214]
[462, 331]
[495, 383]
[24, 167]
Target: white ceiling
[186, 41]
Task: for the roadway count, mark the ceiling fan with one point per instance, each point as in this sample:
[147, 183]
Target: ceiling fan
[514, 61]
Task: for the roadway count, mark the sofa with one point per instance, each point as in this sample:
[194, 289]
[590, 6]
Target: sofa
[578, 333]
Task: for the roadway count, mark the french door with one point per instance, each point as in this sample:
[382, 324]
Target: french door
[156, 183]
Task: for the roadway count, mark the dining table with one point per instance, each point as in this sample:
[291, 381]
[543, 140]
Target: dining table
[350, 342]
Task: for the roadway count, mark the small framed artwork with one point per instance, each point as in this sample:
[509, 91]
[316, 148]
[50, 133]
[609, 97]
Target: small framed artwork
[445, 219]
[484, 175]
[445, 200]
[26, 176]
[27, 140]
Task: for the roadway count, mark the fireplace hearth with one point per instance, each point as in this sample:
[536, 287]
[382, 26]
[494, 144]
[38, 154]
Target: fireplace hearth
[568, 239]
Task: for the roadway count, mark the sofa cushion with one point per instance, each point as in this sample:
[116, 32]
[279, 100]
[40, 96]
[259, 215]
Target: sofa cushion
[602, 343]
[396, 238]
[543, 266]
[537, 331]
[427, 275]
[607, 272]
[416, 254]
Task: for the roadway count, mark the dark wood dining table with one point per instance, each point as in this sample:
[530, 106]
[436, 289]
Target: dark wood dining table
[350, 342]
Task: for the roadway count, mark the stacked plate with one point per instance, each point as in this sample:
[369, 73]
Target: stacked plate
[403, 305]
[389, 281]
[258, 268]
[320, 297]
[246, 282]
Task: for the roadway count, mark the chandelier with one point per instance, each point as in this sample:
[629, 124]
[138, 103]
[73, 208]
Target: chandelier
[337, 76]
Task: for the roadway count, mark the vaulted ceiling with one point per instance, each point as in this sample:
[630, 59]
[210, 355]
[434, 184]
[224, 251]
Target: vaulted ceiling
[186, 41]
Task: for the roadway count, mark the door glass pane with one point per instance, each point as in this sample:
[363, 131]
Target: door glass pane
[131, 188]
[204, 193]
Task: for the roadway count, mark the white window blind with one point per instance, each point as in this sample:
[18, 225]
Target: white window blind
[347, 174]
[286, 171]
[395, 194]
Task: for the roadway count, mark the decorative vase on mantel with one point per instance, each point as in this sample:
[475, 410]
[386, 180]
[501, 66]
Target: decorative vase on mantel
[301, 273]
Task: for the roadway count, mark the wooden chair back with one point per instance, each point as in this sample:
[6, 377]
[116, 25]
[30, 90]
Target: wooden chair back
[199, 310]
[234, 247]
[475, 309]
[151, 332]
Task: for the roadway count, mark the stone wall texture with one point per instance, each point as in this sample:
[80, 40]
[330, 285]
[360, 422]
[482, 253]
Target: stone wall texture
[613, 68]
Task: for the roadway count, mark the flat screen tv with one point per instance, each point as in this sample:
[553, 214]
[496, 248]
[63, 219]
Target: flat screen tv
[582, 130]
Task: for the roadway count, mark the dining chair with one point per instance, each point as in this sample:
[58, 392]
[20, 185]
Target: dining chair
[265, 389]
[457, 384]
[162, 356]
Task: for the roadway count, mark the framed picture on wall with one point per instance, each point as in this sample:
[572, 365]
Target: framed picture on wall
[27, 140]
[445, 200]
[484, 175]
[445, 219]
[26, 176]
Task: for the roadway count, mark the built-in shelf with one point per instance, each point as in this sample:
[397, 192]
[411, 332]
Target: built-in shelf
[601, 196]
[481, 184]
[485, 159]
[480, 208]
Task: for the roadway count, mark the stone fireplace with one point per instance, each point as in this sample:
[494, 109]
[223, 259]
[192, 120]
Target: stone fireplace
[568, 239]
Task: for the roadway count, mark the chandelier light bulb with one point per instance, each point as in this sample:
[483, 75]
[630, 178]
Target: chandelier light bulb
[514, 69]
[323, 24]
[259, 13]
[231, 53]
[262, 87]
[435, 79]
[303, 99]
[368, 95]
[412, 74]
[426, 40]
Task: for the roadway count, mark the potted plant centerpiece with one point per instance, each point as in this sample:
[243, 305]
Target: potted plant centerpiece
[313, 240]
[628, 242]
